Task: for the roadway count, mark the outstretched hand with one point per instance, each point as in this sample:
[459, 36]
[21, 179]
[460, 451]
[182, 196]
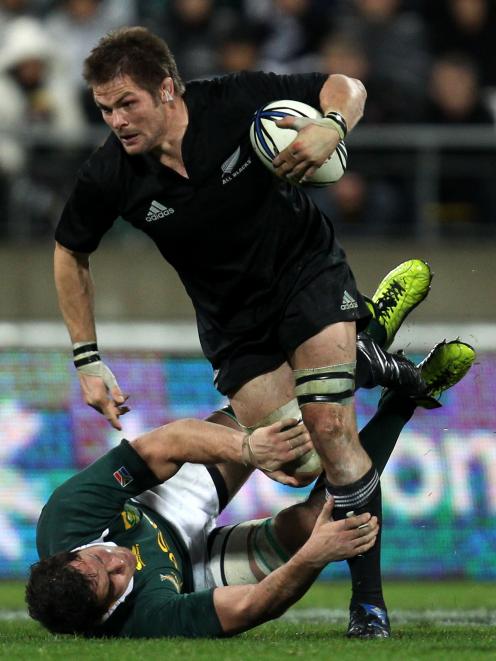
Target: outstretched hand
[331, 540]
[313, 145]
[269, 448]
[101, 391]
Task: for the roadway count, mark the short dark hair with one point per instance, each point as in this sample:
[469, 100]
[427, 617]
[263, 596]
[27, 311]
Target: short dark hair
[61, 598]
[135, 52]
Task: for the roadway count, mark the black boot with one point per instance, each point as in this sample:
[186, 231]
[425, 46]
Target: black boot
[376, 367]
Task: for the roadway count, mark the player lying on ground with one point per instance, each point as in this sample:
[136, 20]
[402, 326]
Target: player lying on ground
[127, 553]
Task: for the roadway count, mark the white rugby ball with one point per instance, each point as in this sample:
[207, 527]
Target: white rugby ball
[268, 139]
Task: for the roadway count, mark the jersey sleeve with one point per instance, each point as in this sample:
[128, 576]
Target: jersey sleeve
[86, 505]
[256, 89]
[89, 212]
[165, 614]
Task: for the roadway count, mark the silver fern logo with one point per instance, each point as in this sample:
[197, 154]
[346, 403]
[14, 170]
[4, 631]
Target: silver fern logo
[230, 163]
[228, 167]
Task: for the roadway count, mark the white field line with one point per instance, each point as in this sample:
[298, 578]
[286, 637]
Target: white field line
[8, 616]
[478, 616]
[470, 616]
[182, 337]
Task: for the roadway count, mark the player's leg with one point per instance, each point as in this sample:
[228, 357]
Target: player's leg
[445, 365]
[247, 552]
[399, 292]
[266, 399]
[326, 397]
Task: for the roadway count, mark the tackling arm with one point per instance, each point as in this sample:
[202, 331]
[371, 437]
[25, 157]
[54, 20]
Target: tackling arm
[165, 449]
[242, 607]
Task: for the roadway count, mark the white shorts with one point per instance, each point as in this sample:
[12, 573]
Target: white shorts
[239, 554]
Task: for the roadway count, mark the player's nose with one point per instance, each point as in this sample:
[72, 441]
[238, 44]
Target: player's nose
[117, 120]
[113, 562]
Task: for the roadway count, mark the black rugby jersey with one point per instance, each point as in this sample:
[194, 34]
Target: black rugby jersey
[238, 236]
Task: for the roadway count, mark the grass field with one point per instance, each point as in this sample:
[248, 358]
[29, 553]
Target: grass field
[435, 621]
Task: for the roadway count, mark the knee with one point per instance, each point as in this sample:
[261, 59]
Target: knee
[327, 427]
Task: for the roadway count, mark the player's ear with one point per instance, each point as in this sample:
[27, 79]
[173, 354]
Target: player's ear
[167, 90]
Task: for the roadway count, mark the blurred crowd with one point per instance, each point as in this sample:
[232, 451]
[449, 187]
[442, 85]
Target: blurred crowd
[422, 62]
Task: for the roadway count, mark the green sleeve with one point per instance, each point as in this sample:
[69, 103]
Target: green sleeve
[165, 614]
[84, 507]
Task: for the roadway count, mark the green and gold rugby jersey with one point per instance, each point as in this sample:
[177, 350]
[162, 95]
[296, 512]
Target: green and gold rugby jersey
[95, 505]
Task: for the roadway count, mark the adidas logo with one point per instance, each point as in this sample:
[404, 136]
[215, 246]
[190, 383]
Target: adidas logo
[157, 211]
[349, 302]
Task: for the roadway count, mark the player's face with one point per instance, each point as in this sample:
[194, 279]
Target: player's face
[136, 117]
[109, 568]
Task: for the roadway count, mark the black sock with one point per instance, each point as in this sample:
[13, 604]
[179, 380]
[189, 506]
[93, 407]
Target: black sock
[374, 328]
[380, 434]
[364, 495]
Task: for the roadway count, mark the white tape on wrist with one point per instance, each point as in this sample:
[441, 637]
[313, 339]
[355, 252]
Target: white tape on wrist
[98, 368]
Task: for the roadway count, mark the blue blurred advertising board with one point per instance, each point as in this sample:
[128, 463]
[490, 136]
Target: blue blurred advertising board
[439, 488]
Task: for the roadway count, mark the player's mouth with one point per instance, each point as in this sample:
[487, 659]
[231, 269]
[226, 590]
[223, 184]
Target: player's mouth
[129, 139]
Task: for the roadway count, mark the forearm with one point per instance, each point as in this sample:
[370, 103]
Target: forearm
[245, 606]
[196, 441]
[75, 293]
[242, 607]
[344, 95]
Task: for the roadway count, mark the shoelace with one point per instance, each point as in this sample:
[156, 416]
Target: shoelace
[390, 298]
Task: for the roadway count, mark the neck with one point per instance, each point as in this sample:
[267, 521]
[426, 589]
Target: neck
[169, 148]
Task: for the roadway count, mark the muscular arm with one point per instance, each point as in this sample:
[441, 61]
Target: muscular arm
[165, 449]
[344, 95]
[76, 300]
[245, 606]
[75, 293]
[314, 143]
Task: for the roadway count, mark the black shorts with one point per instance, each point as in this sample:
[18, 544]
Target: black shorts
[330, 297]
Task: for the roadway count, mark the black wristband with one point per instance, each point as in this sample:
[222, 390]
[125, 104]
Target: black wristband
[85, 348]
[340, 122]
[87, 361]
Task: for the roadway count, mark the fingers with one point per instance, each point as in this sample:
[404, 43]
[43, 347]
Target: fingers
[96, 395]
[366, 537]
[355, 521]
[295, 123]
[296, 436]
[283, 478]
[307, 152]
[288, 427]
[117, 395]
[326, 512]
[291, 163]
[112, 412]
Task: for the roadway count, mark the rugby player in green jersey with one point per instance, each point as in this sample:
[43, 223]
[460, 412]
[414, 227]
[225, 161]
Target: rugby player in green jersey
[130, 548]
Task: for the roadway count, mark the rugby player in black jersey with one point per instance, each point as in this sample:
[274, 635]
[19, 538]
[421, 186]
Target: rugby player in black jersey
[275, 301]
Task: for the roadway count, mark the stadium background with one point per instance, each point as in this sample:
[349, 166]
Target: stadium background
[420, 183]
